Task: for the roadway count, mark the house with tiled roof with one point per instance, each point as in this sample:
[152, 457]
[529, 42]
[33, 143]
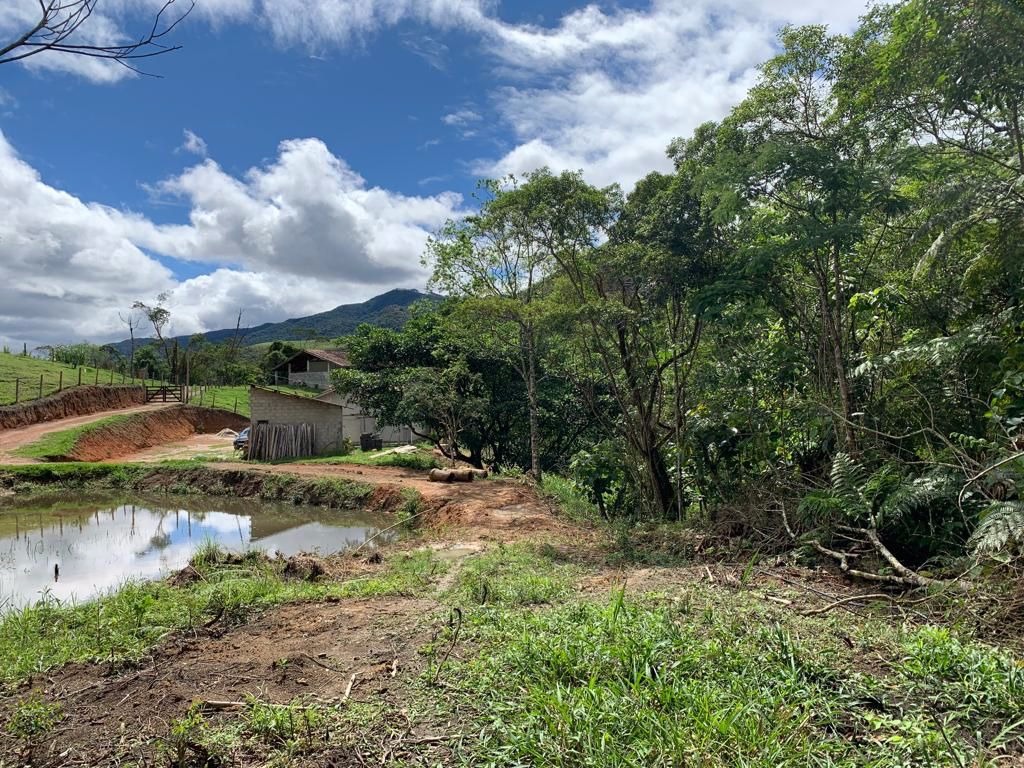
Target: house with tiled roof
[310, 368]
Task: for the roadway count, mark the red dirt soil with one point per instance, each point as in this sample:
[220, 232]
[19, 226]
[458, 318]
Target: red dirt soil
[145, 430]
[10, 439]
[295, 650]
[76, 401]
[484, 510]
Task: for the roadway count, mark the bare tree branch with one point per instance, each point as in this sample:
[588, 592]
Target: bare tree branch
[60, 20]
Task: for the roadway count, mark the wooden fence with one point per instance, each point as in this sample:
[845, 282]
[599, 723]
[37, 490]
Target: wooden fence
[21, 389]
[268, 442]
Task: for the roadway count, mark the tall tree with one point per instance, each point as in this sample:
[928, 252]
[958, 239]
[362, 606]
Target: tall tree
[813, 187]
[159, 316]
[498, 260]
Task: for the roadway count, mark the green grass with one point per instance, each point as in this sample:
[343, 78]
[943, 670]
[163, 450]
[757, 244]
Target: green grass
[423, 459]
[281, 734]
[237, 398]
[29, 369]
[648, 682]
[568, 498]
[517, 574]
[56, 446]
[125, 624]
[182, 477]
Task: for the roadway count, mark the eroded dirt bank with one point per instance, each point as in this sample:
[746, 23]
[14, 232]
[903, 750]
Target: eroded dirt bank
[76, 401]
[144, 430]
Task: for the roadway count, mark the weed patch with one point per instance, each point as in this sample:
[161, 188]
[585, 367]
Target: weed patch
[518, 574]
[654, 684]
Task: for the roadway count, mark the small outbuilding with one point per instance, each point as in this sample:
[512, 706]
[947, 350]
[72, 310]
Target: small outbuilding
[356, 421]
[319, 422]
[311, 426]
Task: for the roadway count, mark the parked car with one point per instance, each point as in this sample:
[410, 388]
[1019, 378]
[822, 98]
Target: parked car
[242, 441]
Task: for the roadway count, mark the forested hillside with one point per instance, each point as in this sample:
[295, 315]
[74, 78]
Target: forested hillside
[390, 310]
[811, 330]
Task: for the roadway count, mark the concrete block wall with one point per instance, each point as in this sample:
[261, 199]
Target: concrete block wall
[277, 408]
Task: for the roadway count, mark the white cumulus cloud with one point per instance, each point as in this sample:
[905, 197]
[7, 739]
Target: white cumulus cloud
[194, 144]
[299, 235]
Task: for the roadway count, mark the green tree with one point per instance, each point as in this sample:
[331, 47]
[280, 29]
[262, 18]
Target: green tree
[498, 260]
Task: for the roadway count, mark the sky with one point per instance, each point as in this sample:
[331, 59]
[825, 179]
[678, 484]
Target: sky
[295, 155]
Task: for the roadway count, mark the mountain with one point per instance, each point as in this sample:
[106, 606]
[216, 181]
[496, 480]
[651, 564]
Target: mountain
[389, 310]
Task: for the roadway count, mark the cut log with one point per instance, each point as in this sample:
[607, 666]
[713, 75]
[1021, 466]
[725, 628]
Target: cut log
[451, 475]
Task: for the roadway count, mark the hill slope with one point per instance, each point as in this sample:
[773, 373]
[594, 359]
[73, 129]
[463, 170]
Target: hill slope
[389, 310]
[26, 371]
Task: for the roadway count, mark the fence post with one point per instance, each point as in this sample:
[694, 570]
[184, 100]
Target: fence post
[235, 409]
[97, 382]
[111, 377]
[213, 402]
[17, 392]
[60, 382]
[79, 375]
[40, 385]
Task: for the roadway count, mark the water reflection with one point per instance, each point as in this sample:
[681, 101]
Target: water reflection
[75, 550]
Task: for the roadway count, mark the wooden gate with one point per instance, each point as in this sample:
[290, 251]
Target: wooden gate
[165, 394]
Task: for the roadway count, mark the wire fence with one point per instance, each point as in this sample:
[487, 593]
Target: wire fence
[22, 389]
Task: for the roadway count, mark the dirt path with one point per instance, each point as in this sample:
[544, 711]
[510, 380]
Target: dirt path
[206, 446]
[10, 439]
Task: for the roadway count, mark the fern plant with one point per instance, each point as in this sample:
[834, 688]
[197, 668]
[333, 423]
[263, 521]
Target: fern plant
[1001, 528]
[876, 498]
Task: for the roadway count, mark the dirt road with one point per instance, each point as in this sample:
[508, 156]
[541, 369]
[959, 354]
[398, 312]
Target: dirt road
[10, 439]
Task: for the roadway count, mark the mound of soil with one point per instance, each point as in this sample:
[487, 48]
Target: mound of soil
[304, 568]
[76, 401]
[501, 511]
[144, 430]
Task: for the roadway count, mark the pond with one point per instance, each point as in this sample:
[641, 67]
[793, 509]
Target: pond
[75, 550]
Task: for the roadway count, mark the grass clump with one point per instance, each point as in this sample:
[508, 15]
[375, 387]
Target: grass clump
[276, 734]
[410, 508]
[408, 574]
[517, 574]
[32, 718]
[650, 683]
[569, 498]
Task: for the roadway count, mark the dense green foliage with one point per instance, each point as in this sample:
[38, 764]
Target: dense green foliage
[812, 326]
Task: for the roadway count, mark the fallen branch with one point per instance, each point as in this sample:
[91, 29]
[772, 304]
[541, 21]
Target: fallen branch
[843, 601]
[321, 664]
[456, 622]
[348, 688]
[905, 578]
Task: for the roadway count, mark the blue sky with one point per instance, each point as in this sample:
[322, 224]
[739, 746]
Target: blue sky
[295, 155]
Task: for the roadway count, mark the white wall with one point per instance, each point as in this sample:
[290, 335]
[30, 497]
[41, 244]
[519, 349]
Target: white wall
[355, 422]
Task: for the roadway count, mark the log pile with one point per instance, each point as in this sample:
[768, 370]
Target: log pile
[269, 442]
[456, 475]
